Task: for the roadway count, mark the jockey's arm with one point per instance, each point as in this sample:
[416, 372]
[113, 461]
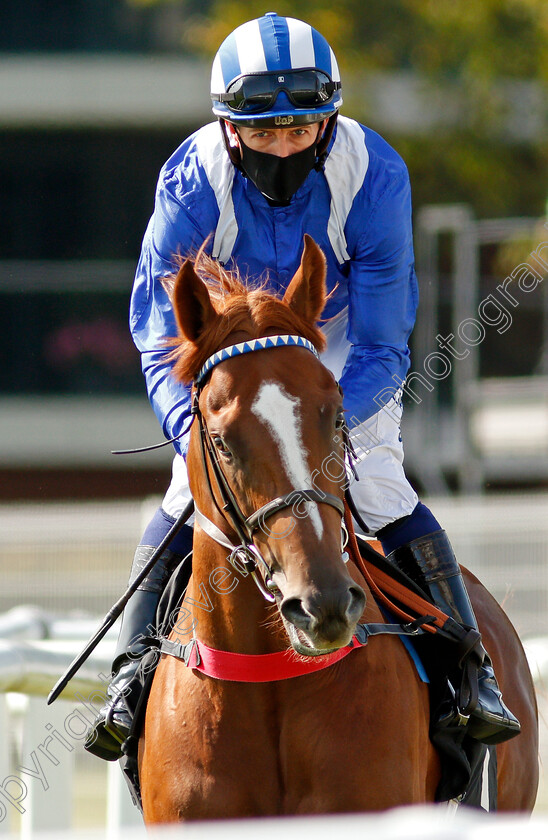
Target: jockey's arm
[171, 230]
[383, 298]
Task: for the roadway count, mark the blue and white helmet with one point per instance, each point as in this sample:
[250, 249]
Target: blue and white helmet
[275, 71]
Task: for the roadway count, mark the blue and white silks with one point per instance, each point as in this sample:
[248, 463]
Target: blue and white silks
[358, 211]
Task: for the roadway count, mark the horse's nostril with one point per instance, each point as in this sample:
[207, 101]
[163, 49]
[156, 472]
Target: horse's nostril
[293, 611]
[328, 616]
[356, 604]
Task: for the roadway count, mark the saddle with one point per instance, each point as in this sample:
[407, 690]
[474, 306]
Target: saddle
[440, 657]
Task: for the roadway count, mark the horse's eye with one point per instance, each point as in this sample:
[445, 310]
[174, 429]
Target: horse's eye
[340, 420]
[220, 446]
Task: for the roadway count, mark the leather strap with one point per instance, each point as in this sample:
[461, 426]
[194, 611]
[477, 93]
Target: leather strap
[212, 530]
[271, 667]
[256, 520]
[384, 588]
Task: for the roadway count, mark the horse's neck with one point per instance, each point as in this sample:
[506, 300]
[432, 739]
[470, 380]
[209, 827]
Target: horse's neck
[224, 608]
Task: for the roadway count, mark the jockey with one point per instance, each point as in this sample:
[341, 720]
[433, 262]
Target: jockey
[280, 162]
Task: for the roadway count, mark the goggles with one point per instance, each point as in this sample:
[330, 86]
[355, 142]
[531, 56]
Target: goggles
[258, 91]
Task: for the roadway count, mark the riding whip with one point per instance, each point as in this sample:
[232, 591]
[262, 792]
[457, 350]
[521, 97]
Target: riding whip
[118, 607]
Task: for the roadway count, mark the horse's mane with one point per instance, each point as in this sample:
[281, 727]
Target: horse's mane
[244, 305]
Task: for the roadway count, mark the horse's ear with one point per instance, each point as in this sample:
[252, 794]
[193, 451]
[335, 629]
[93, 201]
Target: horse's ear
[306, 294]
[192, 305]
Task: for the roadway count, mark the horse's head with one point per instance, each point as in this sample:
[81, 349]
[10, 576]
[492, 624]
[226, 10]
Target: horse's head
[271, 425]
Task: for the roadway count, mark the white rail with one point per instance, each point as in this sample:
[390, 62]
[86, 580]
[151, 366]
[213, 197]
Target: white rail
[40, 745]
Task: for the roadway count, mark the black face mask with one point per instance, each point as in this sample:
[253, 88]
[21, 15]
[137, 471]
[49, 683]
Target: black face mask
[278, 178]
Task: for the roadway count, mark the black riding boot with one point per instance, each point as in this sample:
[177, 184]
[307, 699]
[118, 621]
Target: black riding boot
[111, 726]
[431, 563]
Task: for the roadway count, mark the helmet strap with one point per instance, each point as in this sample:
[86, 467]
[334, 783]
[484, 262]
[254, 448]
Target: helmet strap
[323, 145]
[233, 151]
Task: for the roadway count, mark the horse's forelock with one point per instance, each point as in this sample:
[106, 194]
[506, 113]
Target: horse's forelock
[244, 305]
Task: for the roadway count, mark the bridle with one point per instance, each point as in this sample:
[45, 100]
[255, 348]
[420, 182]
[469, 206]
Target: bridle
[245, 557]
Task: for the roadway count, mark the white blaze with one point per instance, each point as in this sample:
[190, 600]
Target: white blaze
[281, 415]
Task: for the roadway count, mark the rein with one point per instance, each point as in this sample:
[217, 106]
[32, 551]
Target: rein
[380, 584]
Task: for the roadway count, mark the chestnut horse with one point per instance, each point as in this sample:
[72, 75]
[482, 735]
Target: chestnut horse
[349, 737]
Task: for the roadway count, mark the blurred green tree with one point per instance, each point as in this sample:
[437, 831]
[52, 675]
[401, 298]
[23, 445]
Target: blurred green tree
[487, 58]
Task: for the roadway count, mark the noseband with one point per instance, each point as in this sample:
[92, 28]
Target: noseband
[245, 557]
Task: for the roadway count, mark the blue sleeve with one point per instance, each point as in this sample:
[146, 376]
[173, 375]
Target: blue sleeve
[383, 299]
[171, 231]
